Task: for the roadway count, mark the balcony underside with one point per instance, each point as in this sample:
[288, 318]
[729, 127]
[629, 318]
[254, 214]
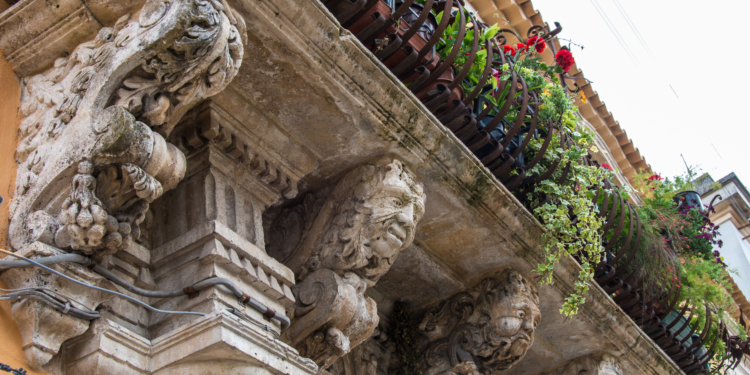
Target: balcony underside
[309, 91]
[314, 82]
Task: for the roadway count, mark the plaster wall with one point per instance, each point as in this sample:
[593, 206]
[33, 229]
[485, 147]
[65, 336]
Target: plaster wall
[735, 252]
[10, 101]
[10, 94]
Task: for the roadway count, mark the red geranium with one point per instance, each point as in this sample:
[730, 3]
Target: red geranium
[607, 166]
[537, 42]
[520, 47]
[655, 177]
[510, 49]
[564, 59]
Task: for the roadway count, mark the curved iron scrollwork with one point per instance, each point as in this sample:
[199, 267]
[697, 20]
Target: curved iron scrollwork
[404, 39]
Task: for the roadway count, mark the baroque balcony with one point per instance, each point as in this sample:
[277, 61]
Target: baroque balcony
[321, 97]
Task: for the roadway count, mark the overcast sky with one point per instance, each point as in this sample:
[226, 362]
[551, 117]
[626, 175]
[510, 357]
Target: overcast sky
[699, 48]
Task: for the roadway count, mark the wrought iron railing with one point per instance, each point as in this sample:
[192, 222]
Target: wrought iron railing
[404, 35]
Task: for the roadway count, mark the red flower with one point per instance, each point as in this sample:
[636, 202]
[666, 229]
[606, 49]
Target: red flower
[510, 49]
[655, 177]
[607, 166]
[537, 42]
[520, 47]
[564, 59]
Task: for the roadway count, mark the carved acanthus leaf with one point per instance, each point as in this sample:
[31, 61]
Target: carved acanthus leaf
[198, 64]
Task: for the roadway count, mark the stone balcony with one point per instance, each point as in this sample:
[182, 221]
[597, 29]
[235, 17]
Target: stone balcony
[308, 105]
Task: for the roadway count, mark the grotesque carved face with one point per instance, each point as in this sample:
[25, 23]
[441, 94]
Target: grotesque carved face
[510, 316]
[490, 327]
[371, 217]
[392, 211]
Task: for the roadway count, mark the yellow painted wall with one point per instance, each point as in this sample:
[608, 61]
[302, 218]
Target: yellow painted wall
[10, 100]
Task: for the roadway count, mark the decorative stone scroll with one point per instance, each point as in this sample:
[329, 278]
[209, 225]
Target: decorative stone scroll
[340, 245]
[155, 65]
[486, 329]
[92, 154]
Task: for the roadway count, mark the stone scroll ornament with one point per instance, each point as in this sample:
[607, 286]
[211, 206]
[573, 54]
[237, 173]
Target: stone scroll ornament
[153, 66]
[340, 245]
[484, 330]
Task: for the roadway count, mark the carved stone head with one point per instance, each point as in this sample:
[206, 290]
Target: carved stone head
[360, 227]
[491, 326]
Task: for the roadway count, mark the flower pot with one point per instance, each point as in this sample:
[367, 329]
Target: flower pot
[446, 79]
[418, 41]
[366, 19]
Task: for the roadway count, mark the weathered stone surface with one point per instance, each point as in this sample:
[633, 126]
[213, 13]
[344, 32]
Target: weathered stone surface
[341, 242]
[308, 104]
[219, 343]
[603, 364]
[44, 329]
[484, 330]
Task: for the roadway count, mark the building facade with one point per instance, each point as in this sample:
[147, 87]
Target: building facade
[221, 186]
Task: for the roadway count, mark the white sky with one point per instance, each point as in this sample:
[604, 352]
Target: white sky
[699, 48]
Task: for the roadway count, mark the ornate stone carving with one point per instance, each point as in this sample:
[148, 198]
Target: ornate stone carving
[102, 226]
[156, 65]
[487, 329]
[202, 60]
[341, 245]
[92, 154]
[591, 365]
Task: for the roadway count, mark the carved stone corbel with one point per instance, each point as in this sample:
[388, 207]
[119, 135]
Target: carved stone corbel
[340, 245]
[155, 65]
[486, 329]
[92, 154]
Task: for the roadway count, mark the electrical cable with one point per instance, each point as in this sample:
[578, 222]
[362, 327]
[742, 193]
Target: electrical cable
[41, 288]
[634, 28]
[129, 298]
[246, 318]
[75, 258]
[215, 281]
[57, 305]
[614, 31]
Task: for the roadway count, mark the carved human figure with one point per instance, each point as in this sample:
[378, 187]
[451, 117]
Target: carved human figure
[487, 329]
[346, 239]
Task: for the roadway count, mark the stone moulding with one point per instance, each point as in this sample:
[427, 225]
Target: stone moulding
[217, 341]
[93, 155]
[44, 329]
